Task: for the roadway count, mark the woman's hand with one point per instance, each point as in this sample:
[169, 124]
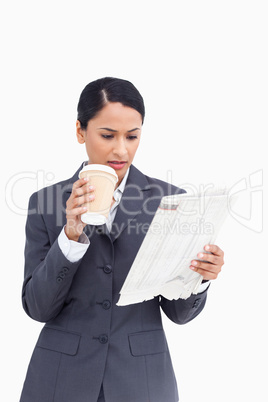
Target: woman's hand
[81, 194]
[211, 263]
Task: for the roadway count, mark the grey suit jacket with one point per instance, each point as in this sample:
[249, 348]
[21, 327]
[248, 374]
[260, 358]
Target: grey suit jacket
[88, 340]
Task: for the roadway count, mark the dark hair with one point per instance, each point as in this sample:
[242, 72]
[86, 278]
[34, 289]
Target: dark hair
[104, 90]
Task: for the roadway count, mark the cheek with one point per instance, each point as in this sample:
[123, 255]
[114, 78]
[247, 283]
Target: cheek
[96, 147]
[134, 148]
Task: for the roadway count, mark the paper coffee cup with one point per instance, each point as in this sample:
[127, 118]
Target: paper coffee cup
[104, 179]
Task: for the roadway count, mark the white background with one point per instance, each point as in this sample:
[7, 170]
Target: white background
[201, 67]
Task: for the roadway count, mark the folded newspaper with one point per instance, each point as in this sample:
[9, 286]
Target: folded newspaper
[183, 224]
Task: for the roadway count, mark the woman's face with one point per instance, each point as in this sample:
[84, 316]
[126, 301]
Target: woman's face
[112, 137]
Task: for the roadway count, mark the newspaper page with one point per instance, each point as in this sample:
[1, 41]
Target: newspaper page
[183, 224]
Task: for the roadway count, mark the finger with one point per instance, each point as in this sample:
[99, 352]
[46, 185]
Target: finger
[80, 182]
[80, 196]
[212, 248]
[212, 258]
[207, 275]
[83, 199]
[77, 192]
[81, 187]
[206, 266]
[208, 271]
[70, 213]
[76, 188]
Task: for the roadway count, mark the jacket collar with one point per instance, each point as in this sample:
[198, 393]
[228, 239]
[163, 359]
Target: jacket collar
[73, 179]
[135, 177]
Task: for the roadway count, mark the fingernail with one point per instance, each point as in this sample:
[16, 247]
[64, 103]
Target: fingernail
[193, 268]
[207, 248]
[194, 263]
[200, 255]
[86, 178]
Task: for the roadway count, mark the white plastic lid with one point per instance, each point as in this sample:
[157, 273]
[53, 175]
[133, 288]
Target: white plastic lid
[93, 218]
[103, 168]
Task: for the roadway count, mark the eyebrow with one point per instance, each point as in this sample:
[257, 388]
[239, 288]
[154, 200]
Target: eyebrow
[115, 131]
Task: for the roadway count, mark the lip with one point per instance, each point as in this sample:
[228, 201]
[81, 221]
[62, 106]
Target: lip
[117, 164]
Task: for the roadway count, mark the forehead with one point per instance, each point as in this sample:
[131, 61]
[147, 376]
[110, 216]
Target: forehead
[117, 115]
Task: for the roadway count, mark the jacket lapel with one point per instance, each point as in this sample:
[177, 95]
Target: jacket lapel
[69, 185]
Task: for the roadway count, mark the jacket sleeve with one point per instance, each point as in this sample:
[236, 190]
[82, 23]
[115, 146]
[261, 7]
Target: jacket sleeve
[182, 311]
[48, 274]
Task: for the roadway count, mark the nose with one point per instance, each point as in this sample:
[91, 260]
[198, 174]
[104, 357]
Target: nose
[120, 148]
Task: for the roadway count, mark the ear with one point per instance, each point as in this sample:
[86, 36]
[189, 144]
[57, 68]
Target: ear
[80, 133]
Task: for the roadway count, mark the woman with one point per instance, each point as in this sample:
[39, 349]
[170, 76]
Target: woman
[90, 349]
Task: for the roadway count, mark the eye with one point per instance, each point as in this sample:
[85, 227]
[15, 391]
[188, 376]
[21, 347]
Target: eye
[132, 137]
[107, 136]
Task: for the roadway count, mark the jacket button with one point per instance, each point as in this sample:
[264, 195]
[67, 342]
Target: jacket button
[106, 304]
[103, 339]
[65, 270]
[196, 303]
[100, 231]
[107, 269]
[59, 279]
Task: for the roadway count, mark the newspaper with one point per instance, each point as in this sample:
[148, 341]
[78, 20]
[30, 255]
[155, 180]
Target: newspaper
[183, 224]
